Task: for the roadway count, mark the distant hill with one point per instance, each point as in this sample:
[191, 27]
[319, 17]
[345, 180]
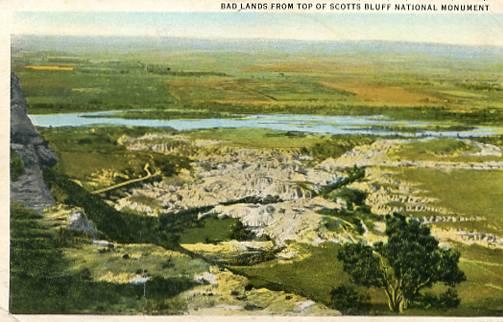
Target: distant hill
[86, 44]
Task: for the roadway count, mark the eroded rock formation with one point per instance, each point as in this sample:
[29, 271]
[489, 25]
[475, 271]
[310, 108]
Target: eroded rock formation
[26, 143]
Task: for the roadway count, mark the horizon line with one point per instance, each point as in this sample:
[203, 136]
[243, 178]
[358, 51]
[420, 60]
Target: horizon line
[263, 39]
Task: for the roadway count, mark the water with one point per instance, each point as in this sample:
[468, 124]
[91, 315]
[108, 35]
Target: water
[283, 122]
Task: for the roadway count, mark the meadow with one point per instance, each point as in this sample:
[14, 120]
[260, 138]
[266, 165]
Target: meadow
[444, 149]
[481, 293]
[465, 192]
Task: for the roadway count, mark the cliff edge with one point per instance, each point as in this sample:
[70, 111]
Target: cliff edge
[31, 153]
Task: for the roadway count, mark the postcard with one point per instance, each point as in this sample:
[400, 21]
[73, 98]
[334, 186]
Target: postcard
[254, 159]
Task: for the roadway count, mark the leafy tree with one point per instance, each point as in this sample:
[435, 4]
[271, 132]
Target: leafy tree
[407, 263]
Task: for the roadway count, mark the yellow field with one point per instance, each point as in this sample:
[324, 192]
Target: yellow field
[382, 94]
[212, 89]
[325, 67]
[50, 67]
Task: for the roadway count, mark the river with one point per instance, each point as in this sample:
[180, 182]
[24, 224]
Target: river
[369, 125]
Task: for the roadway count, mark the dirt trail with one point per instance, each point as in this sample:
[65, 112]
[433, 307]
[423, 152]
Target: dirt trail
[128, 182]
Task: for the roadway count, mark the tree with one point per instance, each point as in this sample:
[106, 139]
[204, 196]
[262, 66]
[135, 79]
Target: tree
[407, 263]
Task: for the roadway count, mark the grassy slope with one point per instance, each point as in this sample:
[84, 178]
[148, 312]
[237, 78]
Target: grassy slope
[470, 193]
[318, 146]
[43, 280]
[441, 149]
[129, 259]
[467, 192]
[84, 151]
[299, 276]
[315, 275]
[482, 293]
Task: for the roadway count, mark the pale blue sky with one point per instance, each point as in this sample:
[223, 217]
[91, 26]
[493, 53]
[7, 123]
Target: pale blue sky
[470, 29]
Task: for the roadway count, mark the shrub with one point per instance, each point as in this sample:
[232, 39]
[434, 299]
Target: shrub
[240, 232]
[348, 301]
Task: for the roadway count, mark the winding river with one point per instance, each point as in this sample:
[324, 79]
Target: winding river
[369, 125]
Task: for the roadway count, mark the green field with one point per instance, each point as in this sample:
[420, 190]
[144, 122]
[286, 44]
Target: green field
[218, 83]
[465, 192]
[208, 230]
[443, 149]
[299, 275]
[480, 294]
[127, 260]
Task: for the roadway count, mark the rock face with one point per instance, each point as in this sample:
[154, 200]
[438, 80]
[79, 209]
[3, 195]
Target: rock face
[29, 188]
[78, 221]
[72, 219]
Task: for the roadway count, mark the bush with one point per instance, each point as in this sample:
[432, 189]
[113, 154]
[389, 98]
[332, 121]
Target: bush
[240, 232]
[448, 299]
[348, 301]
[85, 274]
[253, 258]
[16, 166]
[159, 287]
[354, 174]
[352, 196]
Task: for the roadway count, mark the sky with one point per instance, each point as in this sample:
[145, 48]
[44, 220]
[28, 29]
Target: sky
[465, 29]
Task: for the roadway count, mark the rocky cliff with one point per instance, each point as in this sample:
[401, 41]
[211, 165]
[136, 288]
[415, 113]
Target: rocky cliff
[28, 188]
